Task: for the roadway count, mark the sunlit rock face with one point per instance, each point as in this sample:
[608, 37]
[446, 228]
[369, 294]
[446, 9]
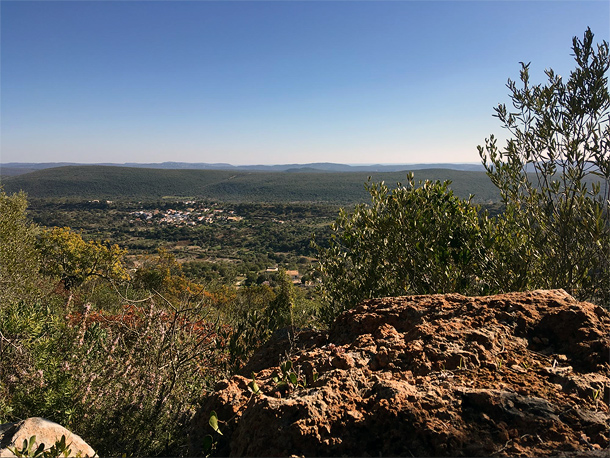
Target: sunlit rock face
[520, 374]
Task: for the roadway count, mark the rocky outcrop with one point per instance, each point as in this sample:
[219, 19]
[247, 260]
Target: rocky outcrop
[522, 374]
[12, 436]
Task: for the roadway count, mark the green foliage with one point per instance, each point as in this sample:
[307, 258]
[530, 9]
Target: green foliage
[126, 382]
[214, 422]
[65, 255]
[253, 386]
[412, 240]
[279, 311]
[58, 449]
[18, 257]
[28, 449]
[289, 378]
[554, 178]
[256, 312]
[33, 381]
[164, 274]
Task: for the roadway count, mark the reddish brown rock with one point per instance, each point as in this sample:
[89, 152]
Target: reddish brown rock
[522, 374]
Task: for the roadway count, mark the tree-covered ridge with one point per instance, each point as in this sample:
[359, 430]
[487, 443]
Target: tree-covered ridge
[345, 188]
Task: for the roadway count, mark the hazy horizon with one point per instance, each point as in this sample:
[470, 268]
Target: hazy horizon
[266, 83]
[212, 163]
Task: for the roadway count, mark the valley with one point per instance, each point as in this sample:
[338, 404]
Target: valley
[224, 227]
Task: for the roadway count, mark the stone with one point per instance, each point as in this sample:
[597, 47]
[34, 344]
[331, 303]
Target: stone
[12, 436]
[519, 374]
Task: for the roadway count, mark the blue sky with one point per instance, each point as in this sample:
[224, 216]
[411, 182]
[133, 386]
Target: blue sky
[273, 82]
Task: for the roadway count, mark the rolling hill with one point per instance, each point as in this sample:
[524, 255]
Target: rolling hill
[112, 182]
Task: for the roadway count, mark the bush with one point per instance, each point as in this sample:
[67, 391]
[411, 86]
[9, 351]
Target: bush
[256, 312]
[412, 240]
[554, 178]
[126, 382]
[66, 256]
[19, 260]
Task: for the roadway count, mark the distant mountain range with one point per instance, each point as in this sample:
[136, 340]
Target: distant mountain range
[19, 168]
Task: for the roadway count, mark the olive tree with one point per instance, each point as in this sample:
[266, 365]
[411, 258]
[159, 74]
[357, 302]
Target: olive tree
[415, 239]
[554, 177]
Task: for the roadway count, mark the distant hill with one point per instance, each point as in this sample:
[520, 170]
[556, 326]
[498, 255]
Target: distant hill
[15, 168]
[13, 171]
[111, 182]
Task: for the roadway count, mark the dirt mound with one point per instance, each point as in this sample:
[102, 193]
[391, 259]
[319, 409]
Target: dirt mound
[522, 374]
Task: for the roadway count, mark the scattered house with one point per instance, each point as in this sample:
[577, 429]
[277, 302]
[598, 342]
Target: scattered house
[293, 275]
[191, 216]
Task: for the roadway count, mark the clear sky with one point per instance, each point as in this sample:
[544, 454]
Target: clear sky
[271, 82]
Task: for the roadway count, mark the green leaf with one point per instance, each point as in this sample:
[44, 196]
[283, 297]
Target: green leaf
[286, 366]
[275, 377]
[39, 451]
[214, 422]
[254, 387]
[208, 443]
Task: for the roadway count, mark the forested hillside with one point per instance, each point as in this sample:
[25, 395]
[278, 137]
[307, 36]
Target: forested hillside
[96, 182]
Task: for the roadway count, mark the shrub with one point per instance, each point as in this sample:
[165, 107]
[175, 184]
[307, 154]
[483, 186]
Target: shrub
[554, 178]
[412, 240]
[19, 260]
[126, 382]
[66, 256]
[256, 312]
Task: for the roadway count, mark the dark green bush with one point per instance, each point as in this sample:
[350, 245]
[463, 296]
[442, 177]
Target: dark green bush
[412, 240]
